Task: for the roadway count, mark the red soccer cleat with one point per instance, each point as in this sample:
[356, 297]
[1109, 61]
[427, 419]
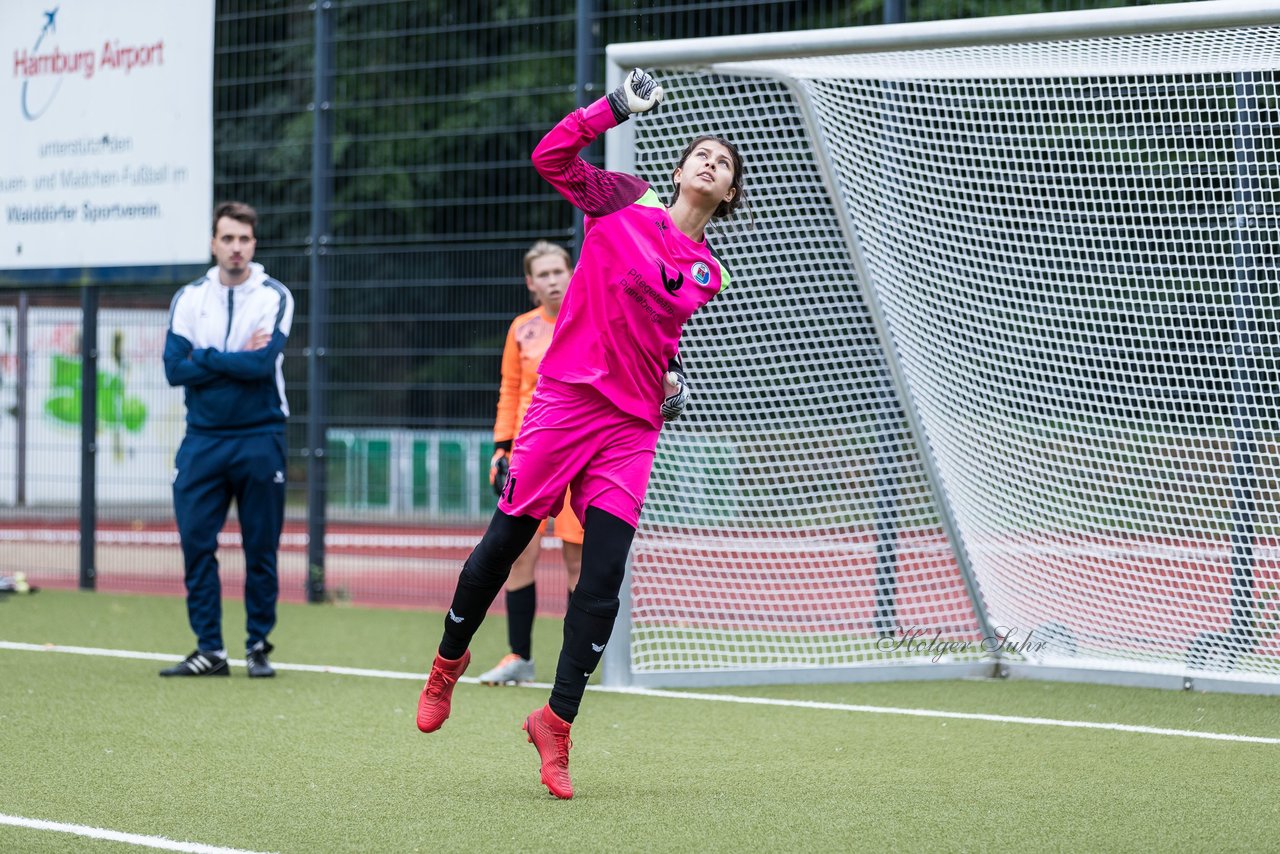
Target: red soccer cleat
[550, 735]
[437, 694]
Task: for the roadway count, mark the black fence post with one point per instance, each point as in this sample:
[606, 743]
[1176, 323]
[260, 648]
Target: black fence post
[583, 88]
[88, 436]
[318, 302]
[24, 368]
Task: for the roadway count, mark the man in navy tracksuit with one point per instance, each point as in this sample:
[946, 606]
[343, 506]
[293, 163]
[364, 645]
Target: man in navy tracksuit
[225, 346]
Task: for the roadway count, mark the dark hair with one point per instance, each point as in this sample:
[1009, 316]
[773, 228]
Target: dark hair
[238, 211]
[739, 195]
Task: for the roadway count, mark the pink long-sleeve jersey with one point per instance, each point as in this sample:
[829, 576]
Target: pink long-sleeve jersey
[638, 278]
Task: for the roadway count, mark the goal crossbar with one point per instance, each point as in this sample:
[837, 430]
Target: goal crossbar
[923, 35]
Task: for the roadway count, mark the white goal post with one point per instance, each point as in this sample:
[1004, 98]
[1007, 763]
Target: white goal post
[994, 387]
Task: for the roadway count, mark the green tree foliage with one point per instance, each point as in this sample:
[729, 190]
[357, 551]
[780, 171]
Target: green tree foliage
[436, 106]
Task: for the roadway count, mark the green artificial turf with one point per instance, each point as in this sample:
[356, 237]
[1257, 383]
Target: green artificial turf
[327, 762]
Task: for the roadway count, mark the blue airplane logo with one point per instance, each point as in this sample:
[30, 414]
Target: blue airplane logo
[50, 26]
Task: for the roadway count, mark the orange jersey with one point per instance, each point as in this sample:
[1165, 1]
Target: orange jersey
[527, 342]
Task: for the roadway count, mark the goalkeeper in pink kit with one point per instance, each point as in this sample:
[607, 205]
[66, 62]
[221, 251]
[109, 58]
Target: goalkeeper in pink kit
[609, 380]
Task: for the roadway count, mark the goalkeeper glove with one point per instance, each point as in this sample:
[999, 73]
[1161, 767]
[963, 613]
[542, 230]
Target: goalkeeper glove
[499, 468]
[676, 388]
[639, 93]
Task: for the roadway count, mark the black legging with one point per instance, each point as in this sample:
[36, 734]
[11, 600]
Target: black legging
[593, 607]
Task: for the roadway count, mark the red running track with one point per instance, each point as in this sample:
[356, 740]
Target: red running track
[1139, 594]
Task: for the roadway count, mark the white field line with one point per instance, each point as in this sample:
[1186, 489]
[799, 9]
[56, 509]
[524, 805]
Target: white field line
[118, 836]
[688, 695]
[964, 716]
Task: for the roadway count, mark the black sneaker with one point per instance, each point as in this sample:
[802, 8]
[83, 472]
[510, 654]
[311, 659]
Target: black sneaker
[199, 664]
[255, 660]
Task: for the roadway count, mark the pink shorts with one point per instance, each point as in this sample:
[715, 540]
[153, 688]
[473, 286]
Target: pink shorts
[573, 437]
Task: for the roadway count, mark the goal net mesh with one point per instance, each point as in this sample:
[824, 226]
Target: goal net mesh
[1072, 248]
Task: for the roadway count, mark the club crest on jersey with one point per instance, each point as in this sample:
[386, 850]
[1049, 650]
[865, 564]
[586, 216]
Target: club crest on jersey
[701, 273]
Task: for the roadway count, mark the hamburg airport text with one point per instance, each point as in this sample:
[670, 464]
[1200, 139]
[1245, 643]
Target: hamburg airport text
[87, 62]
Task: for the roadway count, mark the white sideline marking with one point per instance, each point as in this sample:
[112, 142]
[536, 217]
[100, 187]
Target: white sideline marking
[964, 716]
[687, 695]
[117, 836]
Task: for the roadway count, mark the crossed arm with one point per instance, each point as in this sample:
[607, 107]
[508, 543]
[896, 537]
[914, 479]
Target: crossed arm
[184, 365]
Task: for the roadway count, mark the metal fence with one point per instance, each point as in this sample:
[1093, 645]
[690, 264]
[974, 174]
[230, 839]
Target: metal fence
[385, 144]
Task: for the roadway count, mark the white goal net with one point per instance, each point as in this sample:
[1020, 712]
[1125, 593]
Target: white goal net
[995, 382]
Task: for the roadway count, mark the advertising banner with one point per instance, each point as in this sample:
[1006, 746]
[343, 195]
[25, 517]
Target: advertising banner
[106, 159]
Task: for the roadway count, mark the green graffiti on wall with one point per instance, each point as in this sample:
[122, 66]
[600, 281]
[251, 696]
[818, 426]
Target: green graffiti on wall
[115, 408]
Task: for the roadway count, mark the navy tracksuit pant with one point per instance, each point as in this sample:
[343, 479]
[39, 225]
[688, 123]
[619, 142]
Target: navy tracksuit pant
[210, 471]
